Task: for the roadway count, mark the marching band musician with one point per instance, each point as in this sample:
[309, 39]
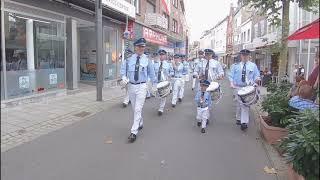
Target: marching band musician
[243, 74]
[203, 102]
[194, 65]
[162, 72]
[126, 100]
[209, 69]
[176, 74]
[139, 70]
[185, 72]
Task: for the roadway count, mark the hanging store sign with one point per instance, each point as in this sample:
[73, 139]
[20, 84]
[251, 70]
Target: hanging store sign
[154, 37]
[121, 6]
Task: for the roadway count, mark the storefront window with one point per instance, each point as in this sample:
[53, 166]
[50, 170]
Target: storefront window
[111, 54]
[35, 55]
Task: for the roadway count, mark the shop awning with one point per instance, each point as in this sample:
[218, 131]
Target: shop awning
[310, 31]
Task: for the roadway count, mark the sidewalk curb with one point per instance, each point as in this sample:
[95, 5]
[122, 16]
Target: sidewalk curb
[275, 160]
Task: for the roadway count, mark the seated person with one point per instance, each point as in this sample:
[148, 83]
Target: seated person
[295, 88]
[303, 100]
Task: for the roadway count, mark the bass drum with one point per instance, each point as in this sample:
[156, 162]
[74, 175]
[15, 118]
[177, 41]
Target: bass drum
[248, 95]
[215, 91]
[163, 89]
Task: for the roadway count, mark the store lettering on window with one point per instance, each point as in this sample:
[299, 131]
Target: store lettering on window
[24, 82]
[53, 79]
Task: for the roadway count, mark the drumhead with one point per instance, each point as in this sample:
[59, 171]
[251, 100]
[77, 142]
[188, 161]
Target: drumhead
[163, 84]
[246, 90]
[213, 86]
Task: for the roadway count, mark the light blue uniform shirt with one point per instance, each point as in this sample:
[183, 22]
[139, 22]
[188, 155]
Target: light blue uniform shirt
[207, 99]
[166, 69]
[178, 72]
[146, 69]
[185, 67]
[252, 73]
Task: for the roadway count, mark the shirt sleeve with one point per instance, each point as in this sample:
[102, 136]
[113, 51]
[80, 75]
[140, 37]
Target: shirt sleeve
[197, 97]
[220, 70]
[151, 73]
[231, 73]
[123, 68]
[209, 100]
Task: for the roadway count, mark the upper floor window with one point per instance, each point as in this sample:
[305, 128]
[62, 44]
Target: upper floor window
[150, 8]
[175, 3]
[167, 17]
[137, 5]
[175, 26]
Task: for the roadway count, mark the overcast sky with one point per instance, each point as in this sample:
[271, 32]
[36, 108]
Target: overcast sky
[204, 14]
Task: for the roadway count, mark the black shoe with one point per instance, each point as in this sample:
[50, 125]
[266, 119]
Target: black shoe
[207, 122]
[203, 130]
[140, 128]
[198, 124]
[180, 99]
[170, 91]
[129, 102]
[148, 97]
[173, 105]
[159, 113]
[192, 89]
[238, 122]
[244, 126]
[132, 138]
[124, 105]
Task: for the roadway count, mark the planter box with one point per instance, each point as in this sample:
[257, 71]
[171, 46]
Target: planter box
[272, 134]
[293, 175]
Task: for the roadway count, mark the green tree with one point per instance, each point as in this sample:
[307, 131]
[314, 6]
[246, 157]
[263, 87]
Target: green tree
[271, 9]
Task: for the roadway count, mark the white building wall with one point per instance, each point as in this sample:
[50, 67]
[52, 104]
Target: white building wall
[220, 37]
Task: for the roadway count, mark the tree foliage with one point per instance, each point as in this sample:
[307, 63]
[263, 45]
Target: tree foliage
[272, 8]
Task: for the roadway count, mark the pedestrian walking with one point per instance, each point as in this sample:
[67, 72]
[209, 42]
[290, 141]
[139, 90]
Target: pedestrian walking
[243, 74]
[176, 74]
[203, 102]
[162, 71]
[139, 70]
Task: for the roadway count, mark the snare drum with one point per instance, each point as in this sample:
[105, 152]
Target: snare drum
[163, 89]
[215, 91]
[248, 95]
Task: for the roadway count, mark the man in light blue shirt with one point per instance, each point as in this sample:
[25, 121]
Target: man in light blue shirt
[195, 83]
[185, 73]
[138, 72]
[243, 74]
[176, 73]
[162, 71]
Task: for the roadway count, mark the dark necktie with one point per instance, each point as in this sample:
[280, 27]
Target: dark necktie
[136, 70]
[207, 70]
[159, 72]
[243, 77]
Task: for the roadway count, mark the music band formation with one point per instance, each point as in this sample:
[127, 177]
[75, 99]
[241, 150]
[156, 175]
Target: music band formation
[141, 78]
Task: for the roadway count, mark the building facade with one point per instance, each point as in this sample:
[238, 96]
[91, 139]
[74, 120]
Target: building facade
[49, 45]
[162, 23]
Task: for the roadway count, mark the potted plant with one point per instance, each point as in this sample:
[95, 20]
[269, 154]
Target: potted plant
[301, 146]
[276, 105]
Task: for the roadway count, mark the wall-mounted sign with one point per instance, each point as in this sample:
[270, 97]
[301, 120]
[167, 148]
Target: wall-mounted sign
[53, 79]
[154, 37]
[24, 82]
[121, 6]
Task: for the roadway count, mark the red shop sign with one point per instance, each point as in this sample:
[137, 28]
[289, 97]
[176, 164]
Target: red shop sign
[154, 37]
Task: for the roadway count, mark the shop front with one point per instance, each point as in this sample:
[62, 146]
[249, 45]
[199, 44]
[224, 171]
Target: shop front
[49, 46]
[155, 40]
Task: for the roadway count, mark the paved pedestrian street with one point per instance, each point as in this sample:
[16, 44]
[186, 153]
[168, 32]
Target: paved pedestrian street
[170, 147]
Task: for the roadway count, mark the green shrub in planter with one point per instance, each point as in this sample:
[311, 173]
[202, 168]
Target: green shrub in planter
[276, 104]
[301, 146]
